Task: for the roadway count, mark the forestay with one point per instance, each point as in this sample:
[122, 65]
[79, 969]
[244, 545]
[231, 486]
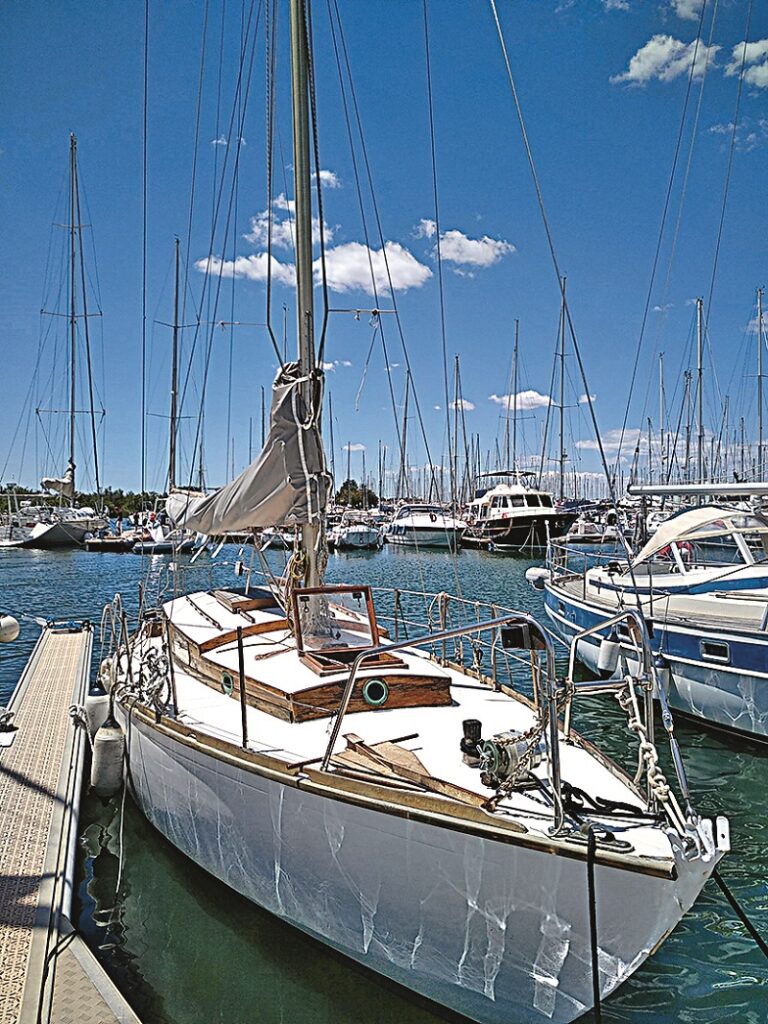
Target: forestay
[288, 483]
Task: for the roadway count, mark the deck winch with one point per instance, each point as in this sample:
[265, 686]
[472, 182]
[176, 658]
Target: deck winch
[501, 755]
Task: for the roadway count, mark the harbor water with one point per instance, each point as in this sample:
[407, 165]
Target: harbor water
[186, 950]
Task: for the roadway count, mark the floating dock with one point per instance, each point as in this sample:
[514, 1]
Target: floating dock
[47, 973]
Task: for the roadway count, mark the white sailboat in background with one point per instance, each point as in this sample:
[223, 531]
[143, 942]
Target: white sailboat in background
[425, 819]
[35, 521]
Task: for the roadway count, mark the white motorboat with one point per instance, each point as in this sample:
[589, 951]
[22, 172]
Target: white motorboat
[425, 526]
[515, 516]
[355, 535]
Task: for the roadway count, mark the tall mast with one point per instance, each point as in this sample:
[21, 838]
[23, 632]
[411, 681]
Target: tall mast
[174, 377]
[310, 532]
[513, 464]
[699, 391]
[72, 297]
[562, 394]
[759, 383]
[662, 412]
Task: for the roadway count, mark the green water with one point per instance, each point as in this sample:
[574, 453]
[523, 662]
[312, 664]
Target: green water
[187, 951]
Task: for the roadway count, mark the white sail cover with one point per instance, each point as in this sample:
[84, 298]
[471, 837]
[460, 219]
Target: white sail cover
[288, 483]
[708, 520]
[64, 485]
[180, 503]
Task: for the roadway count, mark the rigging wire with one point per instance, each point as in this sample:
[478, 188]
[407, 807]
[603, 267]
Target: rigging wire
[144, 199]
[438, 251]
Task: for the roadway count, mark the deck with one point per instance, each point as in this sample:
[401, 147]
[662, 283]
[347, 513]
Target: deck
[47, 974]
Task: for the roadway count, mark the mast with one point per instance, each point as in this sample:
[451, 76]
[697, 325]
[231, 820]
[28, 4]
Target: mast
[513, 464]
[72, 298]
[174, 377]
[759, 383]
[562, 394]
[662, 458]
[699, 391]
[310, 532]
[330, 435]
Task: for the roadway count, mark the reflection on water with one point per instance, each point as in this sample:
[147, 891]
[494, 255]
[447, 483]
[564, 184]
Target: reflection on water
[188, 951]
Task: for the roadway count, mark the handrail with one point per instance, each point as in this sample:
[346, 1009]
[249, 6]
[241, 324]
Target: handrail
[548, 697]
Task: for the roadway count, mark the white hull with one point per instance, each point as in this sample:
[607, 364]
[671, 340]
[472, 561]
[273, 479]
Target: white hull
[48, 536]
[424, 538]
[491, 929]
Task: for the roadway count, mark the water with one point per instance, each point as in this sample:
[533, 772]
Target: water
[188, 951]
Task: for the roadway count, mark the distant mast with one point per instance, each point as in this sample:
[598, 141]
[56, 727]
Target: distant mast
[174, 379]
[310, 532]
[73, 206]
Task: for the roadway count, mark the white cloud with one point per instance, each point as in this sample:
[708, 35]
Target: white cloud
[327, 366]
[328, 179]
[755, 61]
[612, 440]
[525, 400]
[616, 5]
[663, 308]
[253, 268]
[335, 364]
[221, 141]
[349, 267]
[462, 404]
[583, 399]
[456, 247]
[283, 230]
[749, 133]
[343, 362]
[688, 10]
[436, 407]
[666, 58]
[353, 447]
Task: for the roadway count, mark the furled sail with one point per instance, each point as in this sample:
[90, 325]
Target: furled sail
[288, 483]
[181, 503]
[65, 485]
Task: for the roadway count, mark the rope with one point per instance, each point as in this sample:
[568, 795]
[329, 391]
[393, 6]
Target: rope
[144, 201]
[741, 913]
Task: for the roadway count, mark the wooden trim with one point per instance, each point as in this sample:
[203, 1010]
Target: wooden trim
[230, 637]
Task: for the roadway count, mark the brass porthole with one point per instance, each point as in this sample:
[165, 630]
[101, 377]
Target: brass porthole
[227, 683]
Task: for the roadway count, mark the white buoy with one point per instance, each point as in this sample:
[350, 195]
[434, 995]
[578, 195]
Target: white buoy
[96, 711]
[107, 761]
[537, 576]
[9, 629]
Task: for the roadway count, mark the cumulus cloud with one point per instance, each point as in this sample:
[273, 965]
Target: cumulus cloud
[755, 59]
[328, 367]
[525, 400]
[252, 268]
[283, 231]
[583, 399]
[221, 141]
[612, 440]
[328, 179]
[458, 248]
[462, 404]
[665, 59]
[356, 447]
[688, 10]
[349, 268]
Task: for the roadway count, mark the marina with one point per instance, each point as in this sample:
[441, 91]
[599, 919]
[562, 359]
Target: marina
[355, 665]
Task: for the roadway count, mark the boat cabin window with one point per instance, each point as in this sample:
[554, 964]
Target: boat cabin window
[715, 650]
[533, 500]
[517, 501]
[546, 500]
[334, 619]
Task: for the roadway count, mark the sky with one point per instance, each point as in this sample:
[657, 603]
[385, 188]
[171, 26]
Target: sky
[603, 87]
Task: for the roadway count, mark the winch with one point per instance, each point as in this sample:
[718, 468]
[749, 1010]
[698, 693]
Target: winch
[501, 755]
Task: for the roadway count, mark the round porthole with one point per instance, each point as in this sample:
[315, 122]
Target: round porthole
[227, 683]
[375, 692]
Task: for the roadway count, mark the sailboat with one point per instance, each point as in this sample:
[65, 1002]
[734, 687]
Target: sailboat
[35, 522]
[426, 819]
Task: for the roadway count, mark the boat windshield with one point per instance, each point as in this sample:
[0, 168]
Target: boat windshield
[331, 619]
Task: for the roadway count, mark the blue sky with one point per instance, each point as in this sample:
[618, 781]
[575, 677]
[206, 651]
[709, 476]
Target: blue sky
[602, 83]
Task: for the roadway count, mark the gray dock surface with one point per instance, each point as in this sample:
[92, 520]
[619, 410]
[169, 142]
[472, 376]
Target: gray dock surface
[47, 974]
